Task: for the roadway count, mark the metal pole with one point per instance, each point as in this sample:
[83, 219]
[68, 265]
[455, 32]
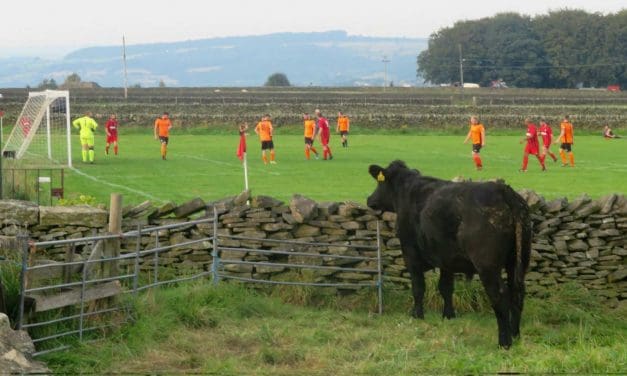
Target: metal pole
[379, 268]
[385, 71]
[156, 264]
[125, 74]
[138, 250]
[214, 253]
[68, 130]
[461, 70]
[23, 242]
[82, 314]
[245, 172]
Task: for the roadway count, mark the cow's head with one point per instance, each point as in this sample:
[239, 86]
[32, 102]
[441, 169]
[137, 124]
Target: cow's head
[383, 197]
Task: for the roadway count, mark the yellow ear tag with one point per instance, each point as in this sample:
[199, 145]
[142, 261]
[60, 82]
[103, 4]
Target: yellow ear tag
[380, 177]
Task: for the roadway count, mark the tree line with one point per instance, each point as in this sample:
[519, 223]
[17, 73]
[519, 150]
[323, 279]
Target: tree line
[562, 49]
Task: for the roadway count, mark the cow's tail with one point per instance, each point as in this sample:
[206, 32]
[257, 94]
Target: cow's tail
[523, 232]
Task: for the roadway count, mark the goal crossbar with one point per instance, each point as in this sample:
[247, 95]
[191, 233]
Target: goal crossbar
[36, 114]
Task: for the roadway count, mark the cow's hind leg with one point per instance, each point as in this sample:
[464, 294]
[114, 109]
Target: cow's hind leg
[499, 298]
[418, 290]
[517, 296]
[446, 286]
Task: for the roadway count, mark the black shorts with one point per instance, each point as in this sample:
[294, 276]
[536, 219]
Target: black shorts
[309, 141]
[164, 140]
[476, 148]
[567, 147]
[343, 133]
[265, 145]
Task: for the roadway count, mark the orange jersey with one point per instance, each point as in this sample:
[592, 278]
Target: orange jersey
[264, 130]
[476, 131]
[310, 127]
[567, 132]
[163, 127]
[343, 123]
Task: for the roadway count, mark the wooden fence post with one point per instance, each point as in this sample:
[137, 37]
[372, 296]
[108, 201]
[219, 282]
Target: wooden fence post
[115, 227]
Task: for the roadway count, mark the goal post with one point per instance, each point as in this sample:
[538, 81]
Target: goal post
[41, 135]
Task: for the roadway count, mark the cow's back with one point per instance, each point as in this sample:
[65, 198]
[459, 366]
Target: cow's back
[463, 224]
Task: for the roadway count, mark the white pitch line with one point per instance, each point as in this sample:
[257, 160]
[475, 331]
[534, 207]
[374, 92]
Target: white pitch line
[137, 192]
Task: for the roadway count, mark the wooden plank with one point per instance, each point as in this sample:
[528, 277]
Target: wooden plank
[73, 296]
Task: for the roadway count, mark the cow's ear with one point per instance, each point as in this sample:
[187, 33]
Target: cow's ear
[376, 172]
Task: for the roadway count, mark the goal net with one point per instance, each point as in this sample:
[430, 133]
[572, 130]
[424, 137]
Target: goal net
[41, 134]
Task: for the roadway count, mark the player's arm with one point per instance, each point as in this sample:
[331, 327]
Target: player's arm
[467, 136]
[557, 140]
[76, 123]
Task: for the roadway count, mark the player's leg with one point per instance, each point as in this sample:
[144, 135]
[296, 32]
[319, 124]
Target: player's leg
[84, 148]
[115, 146]
[571, 156]
[563, 155]
[90, 145]
[525, 161]
[107, 147]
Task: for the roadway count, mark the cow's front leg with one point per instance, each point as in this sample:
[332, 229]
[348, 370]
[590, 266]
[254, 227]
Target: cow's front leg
[446, 286]
[418, 290]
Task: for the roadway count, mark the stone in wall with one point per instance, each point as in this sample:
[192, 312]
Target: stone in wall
[21, 213]
[83, 215]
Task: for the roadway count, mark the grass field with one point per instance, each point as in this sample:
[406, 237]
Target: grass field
[199, 329]
[205, 165]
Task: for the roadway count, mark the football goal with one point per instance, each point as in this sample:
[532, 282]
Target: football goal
[41, 134]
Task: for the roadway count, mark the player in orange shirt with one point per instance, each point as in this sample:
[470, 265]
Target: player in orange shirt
[477, 135]
[162, 132]
[567, 138]
[343, 124]
[264, 131]
[310, 131]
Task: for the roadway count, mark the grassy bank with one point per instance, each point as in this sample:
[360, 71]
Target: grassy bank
[197, 328]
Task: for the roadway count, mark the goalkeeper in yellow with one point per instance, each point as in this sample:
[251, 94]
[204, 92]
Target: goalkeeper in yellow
[87, 126]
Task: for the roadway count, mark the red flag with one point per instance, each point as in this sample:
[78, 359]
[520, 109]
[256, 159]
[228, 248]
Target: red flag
[241, 149]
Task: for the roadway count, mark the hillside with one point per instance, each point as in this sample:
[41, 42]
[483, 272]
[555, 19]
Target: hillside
[308, 59]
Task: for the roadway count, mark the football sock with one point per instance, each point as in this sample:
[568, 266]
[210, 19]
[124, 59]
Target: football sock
[477, 160]
[314, 150]
[84, 155]
[272, 155]
[92, 154]
[115, 149]
[541, 159]
[307, 153]
[563, 156]
[106, 150]
[265, 159]
[571, 157]
[525, 162]
[553, 156]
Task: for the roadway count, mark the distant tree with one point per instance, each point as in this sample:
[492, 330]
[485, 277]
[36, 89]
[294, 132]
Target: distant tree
[136, 86]
[565, 48]
[161, 83]
[72, 80]
[277, 79]
[48, 84]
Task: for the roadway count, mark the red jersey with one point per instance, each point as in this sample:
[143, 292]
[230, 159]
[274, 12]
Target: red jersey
[112, 128]
[532, 139]
[547, 134]
[325, 133]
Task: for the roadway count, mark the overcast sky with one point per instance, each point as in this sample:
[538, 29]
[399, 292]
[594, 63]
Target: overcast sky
[53, 28]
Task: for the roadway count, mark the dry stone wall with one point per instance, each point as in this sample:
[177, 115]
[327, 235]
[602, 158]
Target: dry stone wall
[583, 240]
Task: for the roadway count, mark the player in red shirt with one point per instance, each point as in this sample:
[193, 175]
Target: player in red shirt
[325, 135]
[111, 127]
[532, 145]
[547, 136]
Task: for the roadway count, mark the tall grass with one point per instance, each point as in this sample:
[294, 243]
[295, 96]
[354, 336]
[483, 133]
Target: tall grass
[231, 329]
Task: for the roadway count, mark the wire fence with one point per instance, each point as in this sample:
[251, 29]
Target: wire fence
[82, 297]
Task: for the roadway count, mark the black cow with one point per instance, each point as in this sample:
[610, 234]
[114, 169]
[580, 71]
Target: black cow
[459, 228]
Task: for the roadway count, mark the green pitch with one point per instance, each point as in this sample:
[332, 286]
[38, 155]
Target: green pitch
[206, 166]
